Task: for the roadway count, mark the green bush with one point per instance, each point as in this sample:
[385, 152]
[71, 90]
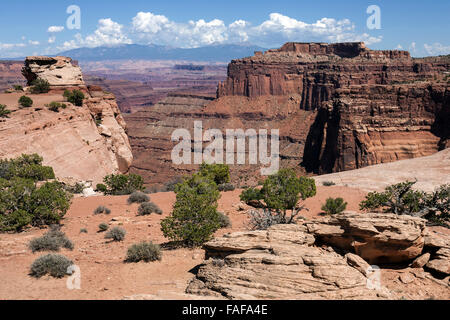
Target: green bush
[101, 188]
[402, 199]
[144, 251]
[4, 112]
[102, 210]
[18, 87]
[219, 173]
[103, 227]
[27, 167]
[55, 106]
[225, 187]
[138, 197]
[55, 265]
[328, 183]
[83, 230]
[116, 234]
[75, 97]
[120, 184]
[170, 186]
[334, 206]
[147, 208]
[53, 240]
[40, 86]
[25, 101]
[22, 203]
[281, 193]
[224, 220]
[194, 218]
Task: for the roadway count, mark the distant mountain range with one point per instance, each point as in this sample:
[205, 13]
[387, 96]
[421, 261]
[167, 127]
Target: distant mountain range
[214, 53]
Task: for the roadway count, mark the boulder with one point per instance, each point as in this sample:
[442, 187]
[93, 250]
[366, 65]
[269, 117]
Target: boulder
[440, 262]
[421, 261]
[377, 238]
[58, 71]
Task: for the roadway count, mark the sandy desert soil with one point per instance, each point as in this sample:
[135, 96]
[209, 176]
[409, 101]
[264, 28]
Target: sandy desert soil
[104, 275]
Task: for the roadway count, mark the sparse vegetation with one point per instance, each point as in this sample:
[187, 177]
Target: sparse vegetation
[280, 194]
[138, 197]
[116, 234]
[194, 218]
[120, 184]
[22, 201]
[328, 183]
[148, 208]
[102, 227]
[263, 219]
[55, 265]
[25, 101]
[18, 87]
[102, 210]
[101, 188]
[224, 220]
[75, 97]
[219, 173]
[4, 112]
[53, 240]
[402, 199]
[83, 230]
[77, 188]
[334, 206]
[144, 251]
[170, 186]
[40, 86]
[225, 187]
[55, 106]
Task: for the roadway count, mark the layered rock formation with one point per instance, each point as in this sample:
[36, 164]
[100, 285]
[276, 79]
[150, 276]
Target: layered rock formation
[323, 259]
[372, 106]
[80, 143]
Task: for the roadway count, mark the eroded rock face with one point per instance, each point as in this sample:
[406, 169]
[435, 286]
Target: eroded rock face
[279, 263]
[376, 237]
[372, 106]
[58, 71]
[81, 143]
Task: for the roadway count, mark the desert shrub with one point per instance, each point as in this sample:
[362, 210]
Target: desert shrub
[147, 208]
[40, 86]
[102, 210]
[263, 219]
[55, 106]
[194, 218]
[219, 173]
[77, 188]
[75, 97]
[83, 230]
[224, 187]
[55, 265]
[102, 227]
[18, 87]
[251, 194]
[328, 183]
[25, 101]
[4, 112]
[116, 234]
[170, 186]
[402, 199]
[53, 240]
[138, 197]
[27, 167]
[281, 193]
[120, 184]
[144, 251]
[224, 220]
[101, 188]
[334, 206]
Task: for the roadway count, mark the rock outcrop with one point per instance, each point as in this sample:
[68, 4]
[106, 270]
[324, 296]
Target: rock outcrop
[279, 263]
[372, 106]
[326, 258]
[376, 237]
[58, 71]
[81, 143]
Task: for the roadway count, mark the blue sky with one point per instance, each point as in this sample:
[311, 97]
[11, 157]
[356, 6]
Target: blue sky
[419, 26]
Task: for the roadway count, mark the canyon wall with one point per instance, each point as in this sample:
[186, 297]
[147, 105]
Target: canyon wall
[80, 143]
[371, 106]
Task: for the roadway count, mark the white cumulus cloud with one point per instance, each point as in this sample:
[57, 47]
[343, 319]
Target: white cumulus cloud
[437, 49]
[55, 29]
